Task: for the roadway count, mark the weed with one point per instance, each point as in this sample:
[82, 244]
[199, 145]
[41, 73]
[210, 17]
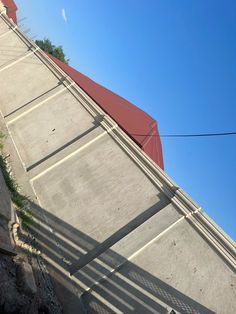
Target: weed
[21, 201]
[2, 136]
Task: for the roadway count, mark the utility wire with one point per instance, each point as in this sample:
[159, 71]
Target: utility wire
[188, 135]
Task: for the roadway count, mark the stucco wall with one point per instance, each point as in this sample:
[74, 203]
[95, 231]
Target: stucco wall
[100, 204]
[179, 269]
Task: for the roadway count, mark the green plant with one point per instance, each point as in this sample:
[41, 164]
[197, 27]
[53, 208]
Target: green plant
[47, 46]
[2, 136]
[21, 201]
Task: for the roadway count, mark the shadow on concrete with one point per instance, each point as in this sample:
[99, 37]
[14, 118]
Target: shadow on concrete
[16, 57]
[32, 100]
[37, 163]
[118, 235]
[129, 289]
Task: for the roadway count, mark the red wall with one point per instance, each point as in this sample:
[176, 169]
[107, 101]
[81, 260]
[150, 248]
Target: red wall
[11, 9]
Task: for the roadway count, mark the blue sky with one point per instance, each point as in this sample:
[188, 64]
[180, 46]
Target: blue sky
[174, 59]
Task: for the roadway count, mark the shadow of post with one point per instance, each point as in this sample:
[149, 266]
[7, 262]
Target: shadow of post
[128, 289]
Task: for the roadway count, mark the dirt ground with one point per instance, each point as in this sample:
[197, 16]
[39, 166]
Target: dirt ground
[25, 285]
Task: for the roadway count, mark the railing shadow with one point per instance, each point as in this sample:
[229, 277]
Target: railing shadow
[129, 289]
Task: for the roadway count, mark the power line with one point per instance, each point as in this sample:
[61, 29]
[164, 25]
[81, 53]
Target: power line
[188, 135]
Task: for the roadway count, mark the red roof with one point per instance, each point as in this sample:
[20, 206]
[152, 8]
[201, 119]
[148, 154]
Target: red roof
[135, 122]
[11, 9]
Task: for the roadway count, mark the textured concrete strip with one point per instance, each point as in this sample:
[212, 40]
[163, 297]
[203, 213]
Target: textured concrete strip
[11, 59]
[14, 49]
[26, 55]
[26, 83]
[57, 129]
[63, 147]
[37, 101]
[6, 33]
[26, 110]
[67, 157]
[151, 278]
[115, 237]
[71, 186]
[3, 26]
[63, 153]
[131, 245]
